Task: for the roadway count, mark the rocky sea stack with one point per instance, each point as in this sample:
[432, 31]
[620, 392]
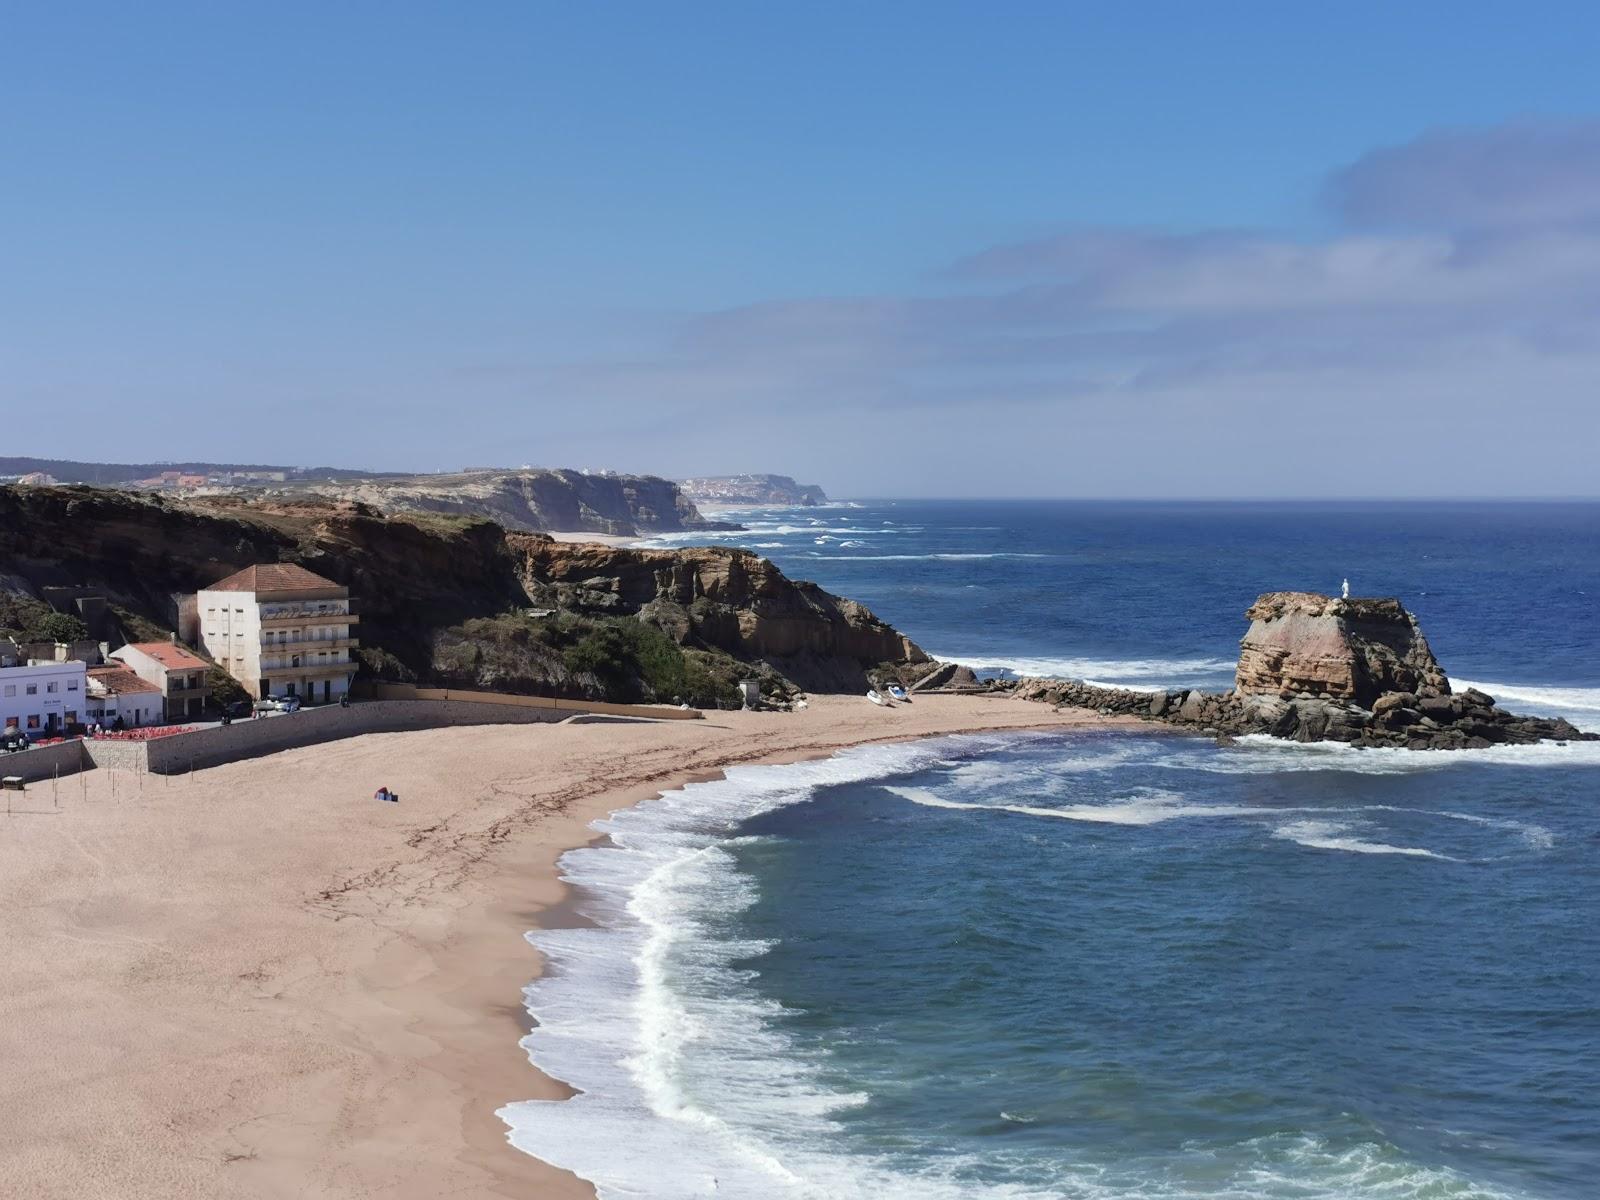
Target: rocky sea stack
[1318, 668]
[1352, 650]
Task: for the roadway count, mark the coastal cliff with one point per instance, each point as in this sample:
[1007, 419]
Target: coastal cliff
[753, 489]
[1315, 668]
[535, 499]
[721, 598]
[460, 600]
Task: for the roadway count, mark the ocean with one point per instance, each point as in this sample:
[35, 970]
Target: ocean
[1113, 964]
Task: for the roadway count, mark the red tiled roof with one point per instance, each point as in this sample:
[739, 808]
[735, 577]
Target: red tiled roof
[170, 655]
[272, 577]
[120, 680]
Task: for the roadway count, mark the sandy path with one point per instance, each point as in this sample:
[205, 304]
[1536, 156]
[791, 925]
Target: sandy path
[258, 981]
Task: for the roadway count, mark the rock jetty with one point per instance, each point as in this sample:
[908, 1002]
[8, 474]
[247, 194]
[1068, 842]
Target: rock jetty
[1315, 668]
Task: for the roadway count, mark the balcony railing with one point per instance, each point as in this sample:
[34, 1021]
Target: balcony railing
[324, 643]
[312, 670]
[279, 615]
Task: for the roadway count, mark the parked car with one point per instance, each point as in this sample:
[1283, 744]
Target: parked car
[287, 704]
[236, 710]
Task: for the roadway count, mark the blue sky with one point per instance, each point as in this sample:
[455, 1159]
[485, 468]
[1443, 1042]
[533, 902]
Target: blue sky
[935, 248]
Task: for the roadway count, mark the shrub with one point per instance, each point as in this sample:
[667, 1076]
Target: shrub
[58, 627]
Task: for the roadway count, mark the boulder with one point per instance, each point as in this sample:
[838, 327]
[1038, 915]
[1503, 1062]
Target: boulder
[1392, 700]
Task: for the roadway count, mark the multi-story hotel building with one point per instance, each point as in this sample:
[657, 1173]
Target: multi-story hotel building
[280, 630]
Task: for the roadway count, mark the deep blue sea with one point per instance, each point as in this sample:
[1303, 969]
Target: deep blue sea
[1113, 965]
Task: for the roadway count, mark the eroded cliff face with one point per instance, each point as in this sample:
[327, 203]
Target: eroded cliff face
[415, 576]
[1306, 644]
[409, 575]
[728, 599]
[568, 501]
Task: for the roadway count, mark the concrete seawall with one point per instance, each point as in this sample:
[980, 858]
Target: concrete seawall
[43, 762]
[411, 709]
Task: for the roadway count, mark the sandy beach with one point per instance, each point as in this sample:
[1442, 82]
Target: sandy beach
[258, 981]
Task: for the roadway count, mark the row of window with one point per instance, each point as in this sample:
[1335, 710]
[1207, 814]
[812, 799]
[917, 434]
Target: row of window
[33, 688]
[33, 721]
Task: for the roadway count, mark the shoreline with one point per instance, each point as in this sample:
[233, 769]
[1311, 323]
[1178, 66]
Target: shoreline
[292, 990]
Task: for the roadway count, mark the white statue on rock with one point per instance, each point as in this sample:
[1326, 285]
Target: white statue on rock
[1346, 591]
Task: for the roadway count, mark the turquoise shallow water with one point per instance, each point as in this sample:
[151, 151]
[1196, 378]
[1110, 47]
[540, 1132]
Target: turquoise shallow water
[1110, 965]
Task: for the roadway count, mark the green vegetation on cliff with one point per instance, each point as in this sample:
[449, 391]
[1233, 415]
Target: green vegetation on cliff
[595, 658]
[24, 619]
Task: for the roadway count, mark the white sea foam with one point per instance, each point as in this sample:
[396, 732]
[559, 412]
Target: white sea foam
[1579, 705]
[1335, 835]
[1144, 807]
[1315, 826]
[689, 1085]
[1257, 753]
[1581, 699]
[1149, 673]
[947, 557]
[761, 529]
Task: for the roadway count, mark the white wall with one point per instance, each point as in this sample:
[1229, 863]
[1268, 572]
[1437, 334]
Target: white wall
[135, 708]
[230, 631]
[59, 690]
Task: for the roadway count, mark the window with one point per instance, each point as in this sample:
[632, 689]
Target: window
[11, 689]
[33, 720]
[52, 686]
[33, 689]
[72, 685]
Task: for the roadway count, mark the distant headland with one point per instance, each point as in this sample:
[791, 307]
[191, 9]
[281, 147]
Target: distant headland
[753, 489]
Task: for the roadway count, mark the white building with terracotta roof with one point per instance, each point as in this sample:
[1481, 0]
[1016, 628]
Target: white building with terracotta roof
[115, 691]
[179, 674]
[280, 630]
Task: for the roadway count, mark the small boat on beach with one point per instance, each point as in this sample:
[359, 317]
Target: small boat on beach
[876, 697]
[898, 692]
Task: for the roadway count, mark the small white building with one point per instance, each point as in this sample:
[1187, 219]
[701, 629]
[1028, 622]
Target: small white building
[42, 699]
[114, 691]
[178, 674]
[280, 630]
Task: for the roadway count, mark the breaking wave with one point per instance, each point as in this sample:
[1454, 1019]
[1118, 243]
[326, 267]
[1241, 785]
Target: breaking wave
[689, 1081]
[1151, 673]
